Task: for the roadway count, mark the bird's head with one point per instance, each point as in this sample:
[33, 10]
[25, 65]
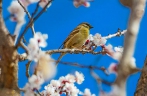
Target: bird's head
[87, 25]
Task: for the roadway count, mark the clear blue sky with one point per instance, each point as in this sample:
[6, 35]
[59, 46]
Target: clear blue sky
[106, 16]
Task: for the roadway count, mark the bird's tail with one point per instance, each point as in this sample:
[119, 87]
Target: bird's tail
[58, 60]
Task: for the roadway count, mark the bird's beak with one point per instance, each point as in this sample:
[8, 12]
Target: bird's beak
[91, 27]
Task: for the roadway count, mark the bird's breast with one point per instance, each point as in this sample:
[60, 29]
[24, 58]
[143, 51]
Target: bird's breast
[85, 33]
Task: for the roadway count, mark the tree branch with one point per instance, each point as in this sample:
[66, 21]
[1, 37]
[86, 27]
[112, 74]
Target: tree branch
[84, 66]
[29, 16]
[71, 51]
[31, 22]
[99, 80]
[27, 69]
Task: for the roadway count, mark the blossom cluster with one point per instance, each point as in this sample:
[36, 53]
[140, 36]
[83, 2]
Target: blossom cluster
[65, 85]
[45, 66]
[96, 40]
[35, 43]
[116, 54]
[17, 12]
[34, 83]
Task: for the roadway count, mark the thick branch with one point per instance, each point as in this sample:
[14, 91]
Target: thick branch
[124, 69]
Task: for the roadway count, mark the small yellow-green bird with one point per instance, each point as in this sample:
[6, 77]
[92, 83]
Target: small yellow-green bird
[76, 38]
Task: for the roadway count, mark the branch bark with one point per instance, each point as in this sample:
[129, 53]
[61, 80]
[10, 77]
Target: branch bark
[141, 89]
[8, 62]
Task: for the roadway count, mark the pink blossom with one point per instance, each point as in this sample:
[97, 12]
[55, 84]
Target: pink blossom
[108, 49]
[112, 68]
[78, 3]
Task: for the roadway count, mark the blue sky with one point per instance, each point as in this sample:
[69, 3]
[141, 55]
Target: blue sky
[106, 16]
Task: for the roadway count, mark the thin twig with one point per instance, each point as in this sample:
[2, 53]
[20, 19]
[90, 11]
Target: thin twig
[98, 79]
[8, 17]
[36, 10]
[38, 92]
[83, 66]
[24, 41]
[28, 14]
[27, 69]
[26, 11]
[118, 33]
[24, 47]
[71, 51]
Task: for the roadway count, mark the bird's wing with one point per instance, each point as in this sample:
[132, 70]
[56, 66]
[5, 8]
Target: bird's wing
[74, 32]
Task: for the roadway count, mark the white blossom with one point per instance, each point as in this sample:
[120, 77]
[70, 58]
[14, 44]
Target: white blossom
[33, 50]
[49, 90]
[99, 40]
[133, 62]
[46, 66]
[32, 1]
[17, 12]
[79, 77]
[118, 49]
[117, 56]
[90, 37]
[87, 93]
[55, 83]
[28, 90]
[43, 3]
[36, 81]
[70, 78]
[65, 85]
[41, 39]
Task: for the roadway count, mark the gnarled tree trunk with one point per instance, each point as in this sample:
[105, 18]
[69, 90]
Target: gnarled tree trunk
[8, 62]
[141, 89]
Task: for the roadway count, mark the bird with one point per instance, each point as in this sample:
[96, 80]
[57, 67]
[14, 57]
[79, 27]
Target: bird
[76, 38]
